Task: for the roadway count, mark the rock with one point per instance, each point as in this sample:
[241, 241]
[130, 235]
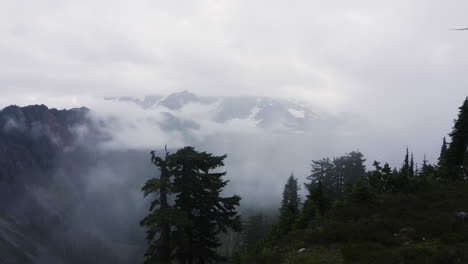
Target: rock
[462, 215]
[407, 231]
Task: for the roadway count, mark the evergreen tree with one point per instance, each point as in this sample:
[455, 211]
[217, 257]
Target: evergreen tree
[198, 195]
[335, 176]
[188, 230]
[289, 204]
[362, 193]
[443, 152]
[442, 162]
[319, 198]
[162, 217]
[411, 167]
[457, 151]
[291, 199]
[397, 181]
[307, 214]
[386, 174]
[428, 172]
[353, 170]
[321, 170]
[376, 178]
[405, 169]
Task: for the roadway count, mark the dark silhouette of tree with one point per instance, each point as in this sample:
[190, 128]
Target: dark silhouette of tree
[428, 172]
[362, 193]
[188, 229]
[443, 174]
[337, 175]
[320, 200]
[289, 204]
[291, 199]
[162, 217]
[456, 155]
[376, 178]
[405, 169]
[198, 191]
[411, 167]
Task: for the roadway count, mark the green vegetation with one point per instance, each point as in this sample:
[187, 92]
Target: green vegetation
[385, 215]
[349, 215]
[188, 229]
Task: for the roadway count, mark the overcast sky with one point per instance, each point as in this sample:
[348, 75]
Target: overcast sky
[392, 62]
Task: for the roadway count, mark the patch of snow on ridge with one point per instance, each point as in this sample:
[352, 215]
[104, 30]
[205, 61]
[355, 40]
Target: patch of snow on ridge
[254, 112]
[297, 113]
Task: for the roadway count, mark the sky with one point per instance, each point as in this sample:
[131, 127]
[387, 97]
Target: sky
[394, 64]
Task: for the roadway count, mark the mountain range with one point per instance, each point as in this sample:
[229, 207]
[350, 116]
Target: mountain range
[65, 199]
[266, 112]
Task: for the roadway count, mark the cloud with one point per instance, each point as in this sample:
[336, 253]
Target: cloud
[394, 68]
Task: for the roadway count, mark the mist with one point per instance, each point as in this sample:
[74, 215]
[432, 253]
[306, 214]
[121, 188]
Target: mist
[272, 84]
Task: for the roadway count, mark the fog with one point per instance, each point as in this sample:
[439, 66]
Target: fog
[260, 158]
[368, 76]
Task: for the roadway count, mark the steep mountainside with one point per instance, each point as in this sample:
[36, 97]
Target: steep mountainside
[32, 137]
[41, 189]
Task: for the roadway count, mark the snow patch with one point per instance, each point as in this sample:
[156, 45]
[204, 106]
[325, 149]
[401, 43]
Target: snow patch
[254, 112]
[297, 113]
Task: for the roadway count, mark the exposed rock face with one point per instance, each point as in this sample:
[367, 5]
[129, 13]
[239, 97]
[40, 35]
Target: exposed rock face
[40, 194]
[32, 137]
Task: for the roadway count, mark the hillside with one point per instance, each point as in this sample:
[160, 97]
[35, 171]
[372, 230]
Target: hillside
[409, 214]
[48, 213]
[419, 227]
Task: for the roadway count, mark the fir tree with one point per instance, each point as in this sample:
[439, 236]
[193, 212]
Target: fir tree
[289, 204]
[376, 178]
[362, 193]
[162, 217]
[319, 198]
[457, 151]
[442, 162]
[336, 175]
[188, 230]
[291, 199]
[307, 214]
[386, 174]
[405, 169]
[411, 172]
[198, 195]
[428, 172]
[443, 152]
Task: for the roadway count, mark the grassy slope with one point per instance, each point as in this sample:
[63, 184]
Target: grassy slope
[419, 227]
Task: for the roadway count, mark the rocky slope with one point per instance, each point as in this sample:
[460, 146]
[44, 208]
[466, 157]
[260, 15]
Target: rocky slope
[40, 194]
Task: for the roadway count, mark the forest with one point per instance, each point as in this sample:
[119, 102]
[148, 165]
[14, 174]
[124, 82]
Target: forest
[410, 214]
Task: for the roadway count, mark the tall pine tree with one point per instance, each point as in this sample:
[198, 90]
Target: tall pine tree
[411, 167]
[291, 199]
[162, 217]
[198, 191]
[188, 229]
[443, 171]
[405, 169]
[457, 156]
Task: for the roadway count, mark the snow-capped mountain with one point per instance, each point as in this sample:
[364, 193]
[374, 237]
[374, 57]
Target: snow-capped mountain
[266, 112]
[70, 178]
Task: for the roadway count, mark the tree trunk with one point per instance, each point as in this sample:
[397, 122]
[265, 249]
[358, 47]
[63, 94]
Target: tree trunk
[165, 249]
